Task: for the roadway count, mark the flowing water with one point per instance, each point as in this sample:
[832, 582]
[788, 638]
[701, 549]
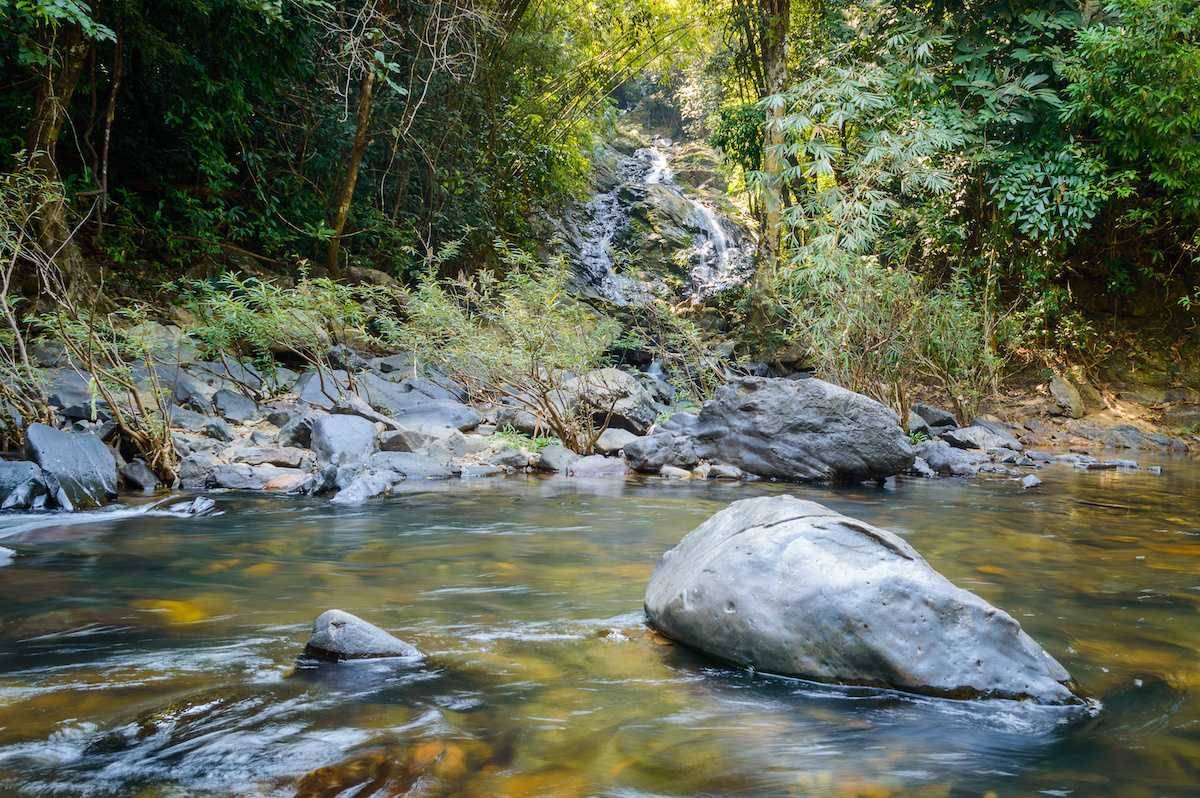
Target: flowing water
[717, 262]
[153, 655]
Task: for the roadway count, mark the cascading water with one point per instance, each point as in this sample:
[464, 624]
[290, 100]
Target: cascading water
[716, 261]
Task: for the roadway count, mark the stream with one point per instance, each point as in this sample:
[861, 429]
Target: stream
[152, 655]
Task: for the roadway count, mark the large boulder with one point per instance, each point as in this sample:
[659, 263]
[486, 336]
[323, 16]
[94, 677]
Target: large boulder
[651, 453]
[801, 430]
[791, 587]
[341, 439]
[949, 461]
[338, 635]
[978, 436]
[614, 396]
[84, 467]
[430, 413]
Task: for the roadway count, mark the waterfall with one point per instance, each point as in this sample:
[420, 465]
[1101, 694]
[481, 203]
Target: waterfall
[717, 261]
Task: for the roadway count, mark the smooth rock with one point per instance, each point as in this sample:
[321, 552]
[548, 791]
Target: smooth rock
[615, 396]
[650, 453]
[218, 430]
[597, 466]
[979, 437]
[801, 430]
[921, 468]
[201, 505]
[234, 406]
[440, 414]
[446, 441]
[613, 440]
[1030, 481]
[674, 472]
[794, 588]
[338, 635]
[84, 467]
[242, 476]
[297, 431]
[340, 439]
[411, 466]
[946, 460]
[935, 416]
[196, 471]
[285, 456]
[138, 476]
[509, 458]
[556, 459]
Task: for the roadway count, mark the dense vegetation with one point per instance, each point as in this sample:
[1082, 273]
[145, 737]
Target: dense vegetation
[942, 189]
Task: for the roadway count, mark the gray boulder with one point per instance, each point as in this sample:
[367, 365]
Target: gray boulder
[234, 406]
[85, 469]
[946, 460]
[801, 430]
[519, 419]
[429, 413]
[218, 430]
[615, 396]
[297, 430]
[338, 635]
[24, 486]
[597, 466]
[440, 440]
[935, 417]
[411, 466]
[284, 456]
[556, 459]
[340, 439]
[791, 587]
[613, 440]
[978, 436]
[197, 471]
[138, 476]
[242, 476]
[650, 453]
[69, 391]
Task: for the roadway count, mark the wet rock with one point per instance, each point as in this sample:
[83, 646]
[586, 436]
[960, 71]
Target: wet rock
[794, 588]
[801, 430]
[85, 469]
[556, 459]
[24, 486]
[480, 470]
[921, 468]
[613, 440]
[979, 437]
[338, 635]
[1030, 481]
[6, 556]
[946, 460]
[285, 456]
[138, 476]
[596, 466]
[365, 484]
[340, 439]
[674, 472]
[196, 471]
[234, 406]
[201, 505]
[724, 471]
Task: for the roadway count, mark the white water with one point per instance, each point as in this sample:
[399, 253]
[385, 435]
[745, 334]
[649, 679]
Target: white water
[717, 261]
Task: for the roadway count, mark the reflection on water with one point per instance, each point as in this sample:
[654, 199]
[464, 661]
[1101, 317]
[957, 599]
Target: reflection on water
[155, 655]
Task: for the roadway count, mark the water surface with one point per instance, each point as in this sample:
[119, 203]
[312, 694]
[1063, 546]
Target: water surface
[155, 656]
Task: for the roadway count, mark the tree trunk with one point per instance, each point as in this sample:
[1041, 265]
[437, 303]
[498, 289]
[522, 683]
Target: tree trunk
[49, 113]
[776, 15]
[341, 210]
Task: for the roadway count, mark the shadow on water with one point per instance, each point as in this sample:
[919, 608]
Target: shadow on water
[158, 653]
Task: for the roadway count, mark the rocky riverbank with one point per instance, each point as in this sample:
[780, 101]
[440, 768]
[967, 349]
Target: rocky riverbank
[376, 425]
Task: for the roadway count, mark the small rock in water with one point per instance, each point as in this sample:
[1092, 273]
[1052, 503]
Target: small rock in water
[1030, 481]
[338, 635]
[201, 505]
[6, 556]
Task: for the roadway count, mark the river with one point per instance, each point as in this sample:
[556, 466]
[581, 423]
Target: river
[154, 655]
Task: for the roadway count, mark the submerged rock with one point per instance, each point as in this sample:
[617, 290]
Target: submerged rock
[794, 588]
[84, 467]
[801, 430]
[338, 635]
